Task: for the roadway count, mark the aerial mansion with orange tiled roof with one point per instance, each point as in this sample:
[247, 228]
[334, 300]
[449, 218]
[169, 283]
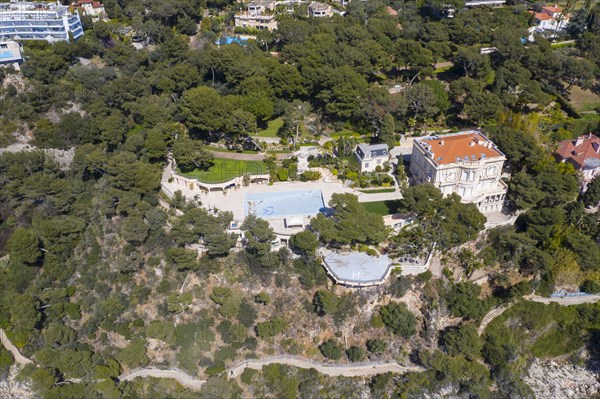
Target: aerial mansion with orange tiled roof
[466, 163]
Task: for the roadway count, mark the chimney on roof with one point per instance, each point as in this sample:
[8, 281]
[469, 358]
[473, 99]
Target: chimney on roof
[441, 142]
[471, 144]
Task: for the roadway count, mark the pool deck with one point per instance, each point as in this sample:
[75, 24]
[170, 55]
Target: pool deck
[233, 200]
[277, 205]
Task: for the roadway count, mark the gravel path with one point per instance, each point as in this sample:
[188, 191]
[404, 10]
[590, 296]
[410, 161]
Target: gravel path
[246, 157]
[183, 378]
[338, 370]
[13, 349]
[566, 301]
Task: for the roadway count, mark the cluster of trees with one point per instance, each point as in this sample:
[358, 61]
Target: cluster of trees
[555, 239]
[350, 223]
[88, 245]
[444, 221]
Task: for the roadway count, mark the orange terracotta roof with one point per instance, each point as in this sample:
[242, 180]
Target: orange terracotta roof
[391, 11]
[469, 147]
[579, 150]
[542, 16]
[552, 9]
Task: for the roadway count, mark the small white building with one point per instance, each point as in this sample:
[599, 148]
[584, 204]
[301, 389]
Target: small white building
[549, 19]
[92, 8]
[488, 3]
[319, 10]
[369, 157]
[10, 54]
[466, 163]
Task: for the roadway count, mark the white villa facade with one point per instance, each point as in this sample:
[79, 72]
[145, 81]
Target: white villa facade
[466, 163]
[551, 18]
[258, 16]
[369, 157]
[52, 22]
[319, 10]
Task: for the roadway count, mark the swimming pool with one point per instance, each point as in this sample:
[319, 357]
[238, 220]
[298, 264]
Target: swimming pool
[284, 204]
[231, 40]
[6, 54]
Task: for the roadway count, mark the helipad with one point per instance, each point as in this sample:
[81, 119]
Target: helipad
[356, 269]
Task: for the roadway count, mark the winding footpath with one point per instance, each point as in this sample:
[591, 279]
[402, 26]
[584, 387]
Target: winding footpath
[564, 301]
[492, 315]
[330, 369]
[335, 370]
[19, 358]
[181, 377]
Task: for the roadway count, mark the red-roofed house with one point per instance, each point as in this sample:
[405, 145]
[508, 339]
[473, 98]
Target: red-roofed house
[549, 19]
[92, 8]
[584, 154]
[465, 163]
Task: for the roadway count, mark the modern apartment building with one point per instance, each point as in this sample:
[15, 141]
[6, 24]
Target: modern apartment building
[26, 20]
[466, 163]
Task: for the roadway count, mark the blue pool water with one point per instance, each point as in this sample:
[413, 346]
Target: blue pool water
[231, 40]
[286, 204]
[6, 54]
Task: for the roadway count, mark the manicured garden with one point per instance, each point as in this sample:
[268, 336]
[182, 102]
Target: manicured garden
[223, 170]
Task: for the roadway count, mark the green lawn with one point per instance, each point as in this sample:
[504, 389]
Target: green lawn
[226, 169]
[382, 207]
[583, 100]
[490, 78]
[345, 133]
[378, 191]
[272, 128]
[443, 69]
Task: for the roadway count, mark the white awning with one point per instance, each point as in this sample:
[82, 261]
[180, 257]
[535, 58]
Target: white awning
[294, 221]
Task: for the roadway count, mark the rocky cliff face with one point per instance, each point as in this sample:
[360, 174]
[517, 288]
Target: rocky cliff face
[557, 380]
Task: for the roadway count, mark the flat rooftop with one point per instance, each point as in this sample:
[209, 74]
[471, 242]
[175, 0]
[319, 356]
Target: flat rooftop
[356, 268]
[271, 205]
[10, 52]
[459, 147]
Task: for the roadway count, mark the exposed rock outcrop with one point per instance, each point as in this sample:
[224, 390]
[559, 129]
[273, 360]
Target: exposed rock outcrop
[553, 379]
